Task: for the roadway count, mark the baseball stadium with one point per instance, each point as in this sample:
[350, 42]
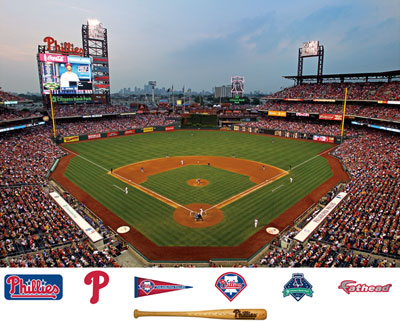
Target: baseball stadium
[308, 177]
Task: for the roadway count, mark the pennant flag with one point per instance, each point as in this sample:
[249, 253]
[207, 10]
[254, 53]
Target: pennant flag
[146, 287]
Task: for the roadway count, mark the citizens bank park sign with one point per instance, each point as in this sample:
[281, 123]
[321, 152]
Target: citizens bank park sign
[66, 48]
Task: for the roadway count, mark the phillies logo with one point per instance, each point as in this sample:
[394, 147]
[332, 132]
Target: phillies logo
[29, 287]
[94, 278]
[147, 286]
[351, 286]
[231, 285]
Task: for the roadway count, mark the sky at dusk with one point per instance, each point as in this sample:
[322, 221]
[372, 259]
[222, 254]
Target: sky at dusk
[201, 44]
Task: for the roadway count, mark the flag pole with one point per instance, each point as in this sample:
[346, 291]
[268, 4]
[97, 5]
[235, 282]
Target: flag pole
[52, 115]
[344, 113]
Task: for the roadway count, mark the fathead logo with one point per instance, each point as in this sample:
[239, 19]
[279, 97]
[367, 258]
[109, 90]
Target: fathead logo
[351, 286]
[33, 287]
[94, 278]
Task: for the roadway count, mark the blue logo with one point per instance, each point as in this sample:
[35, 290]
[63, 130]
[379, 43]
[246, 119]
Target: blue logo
[298, 286]
[231, 285]
[33, 287]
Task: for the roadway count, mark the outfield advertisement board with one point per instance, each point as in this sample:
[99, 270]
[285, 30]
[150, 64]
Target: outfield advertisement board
[148, 129]
[324, 138]
[71, 138]
[112, 134]
[170, 128]
[129, 132]
[94, 136]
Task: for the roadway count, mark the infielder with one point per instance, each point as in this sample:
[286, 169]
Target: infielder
[126, 190]
[255, 223]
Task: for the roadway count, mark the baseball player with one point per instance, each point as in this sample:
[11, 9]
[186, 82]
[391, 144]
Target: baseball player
[255, 223]
[181, 162]
[198, 181]
[141, 169]
[201, 211]
[291, 180]
[126, 190]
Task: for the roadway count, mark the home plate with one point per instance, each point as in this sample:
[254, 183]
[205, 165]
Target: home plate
[123, 229]
[272, 230]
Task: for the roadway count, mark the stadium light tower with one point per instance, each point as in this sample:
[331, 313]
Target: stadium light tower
[95, 46]
[153, 85]
[310, 49]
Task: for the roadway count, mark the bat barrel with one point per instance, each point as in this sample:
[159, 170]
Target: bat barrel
[228, 314]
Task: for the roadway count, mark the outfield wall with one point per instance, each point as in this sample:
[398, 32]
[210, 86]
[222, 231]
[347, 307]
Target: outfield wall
[118, 133]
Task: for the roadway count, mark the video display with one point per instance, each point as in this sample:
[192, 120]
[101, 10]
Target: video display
[66, 74]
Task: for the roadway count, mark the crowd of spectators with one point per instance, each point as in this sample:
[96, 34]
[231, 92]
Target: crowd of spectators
[379, 111]
[81, 110]
[320, 255]
[35, 231]
[26, 156]
[98, 125]
[13, 114]
[366, 222]
[325, 128]
[355, 91]
[5, 96]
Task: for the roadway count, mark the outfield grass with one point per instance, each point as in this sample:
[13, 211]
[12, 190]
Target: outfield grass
[154, 218]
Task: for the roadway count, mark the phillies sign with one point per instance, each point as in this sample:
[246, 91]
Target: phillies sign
[33, 287]
[65, 48]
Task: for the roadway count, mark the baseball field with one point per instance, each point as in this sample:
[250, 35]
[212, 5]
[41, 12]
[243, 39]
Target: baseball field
[159, 181]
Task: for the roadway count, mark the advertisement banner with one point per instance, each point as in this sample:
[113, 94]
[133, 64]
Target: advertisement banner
[302, 114]
[53, 58]
[129, 132]
[170, 128]
[94, 136]
[112, 134]
[326, 116]
[71, 139]
[148, 129]
[313, 224]
[324, 100]
[324, 138]
[277, 113]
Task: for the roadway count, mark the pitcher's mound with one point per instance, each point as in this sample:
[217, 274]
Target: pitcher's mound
[196, 183]
[210, 217]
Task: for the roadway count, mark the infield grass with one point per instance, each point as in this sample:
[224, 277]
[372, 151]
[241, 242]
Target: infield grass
[154, 218]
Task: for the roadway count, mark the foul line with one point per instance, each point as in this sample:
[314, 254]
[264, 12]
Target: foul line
[248, 191]
[276, 188]
[118, 188]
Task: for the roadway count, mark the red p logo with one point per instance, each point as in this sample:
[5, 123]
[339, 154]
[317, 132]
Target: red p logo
[94, 278]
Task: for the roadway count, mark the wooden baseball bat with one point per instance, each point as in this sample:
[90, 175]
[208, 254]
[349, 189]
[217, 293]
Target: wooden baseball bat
[225, 314]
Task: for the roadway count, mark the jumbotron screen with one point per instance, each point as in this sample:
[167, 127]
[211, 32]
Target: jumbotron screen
[66, 74]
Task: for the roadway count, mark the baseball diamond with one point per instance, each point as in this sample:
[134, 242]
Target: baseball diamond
[247, 174]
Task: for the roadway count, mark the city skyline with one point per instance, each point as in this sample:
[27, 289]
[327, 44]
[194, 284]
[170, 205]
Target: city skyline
[200, 45]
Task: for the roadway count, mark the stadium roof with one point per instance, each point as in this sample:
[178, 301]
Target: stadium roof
[389, 75]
